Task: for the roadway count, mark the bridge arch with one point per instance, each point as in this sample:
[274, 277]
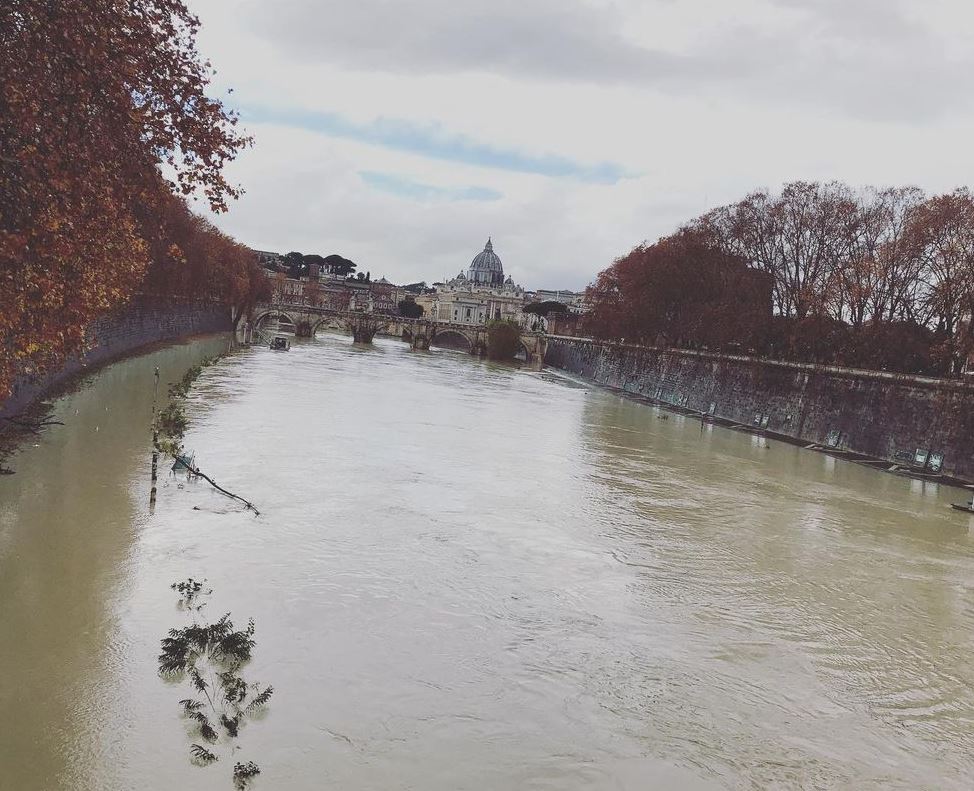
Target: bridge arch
[274, 314]
[331, 323]
[469, 344]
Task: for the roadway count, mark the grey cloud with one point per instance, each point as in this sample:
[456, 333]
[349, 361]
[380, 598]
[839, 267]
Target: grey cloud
[863, 58]
[559, 39]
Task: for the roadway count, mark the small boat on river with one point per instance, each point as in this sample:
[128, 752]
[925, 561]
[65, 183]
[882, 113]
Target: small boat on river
[965, 507]
[280, 344]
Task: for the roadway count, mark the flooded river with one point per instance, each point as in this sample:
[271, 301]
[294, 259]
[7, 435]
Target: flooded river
[468, 576]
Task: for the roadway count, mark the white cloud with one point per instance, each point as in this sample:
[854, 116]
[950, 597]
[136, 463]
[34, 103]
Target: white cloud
[700, 100]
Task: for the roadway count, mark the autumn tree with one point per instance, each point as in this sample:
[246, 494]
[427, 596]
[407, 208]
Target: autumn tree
[875, 276]
[854, 271]
[97, 100]
[683, 291]
[942, 237]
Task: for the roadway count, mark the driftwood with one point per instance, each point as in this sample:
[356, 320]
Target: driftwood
[196, 471]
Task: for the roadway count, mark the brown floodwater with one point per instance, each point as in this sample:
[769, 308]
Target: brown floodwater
[471, 576]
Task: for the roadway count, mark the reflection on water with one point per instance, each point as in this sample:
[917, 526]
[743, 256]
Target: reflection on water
[472, 576]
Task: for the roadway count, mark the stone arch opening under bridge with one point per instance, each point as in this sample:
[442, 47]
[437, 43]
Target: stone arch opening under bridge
[276, 321]
[453, 339]
[331, 324]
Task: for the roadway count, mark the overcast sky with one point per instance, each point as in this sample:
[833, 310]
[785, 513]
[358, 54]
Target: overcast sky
[402, 133]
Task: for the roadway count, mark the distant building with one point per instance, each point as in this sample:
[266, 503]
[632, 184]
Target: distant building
[385, 296]
[324, 290]
[566, 323]
[269, 259]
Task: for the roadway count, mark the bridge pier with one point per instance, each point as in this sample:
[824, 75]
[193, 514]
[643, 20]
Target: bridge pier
[420, 343]
[535, 357]
[362, 333]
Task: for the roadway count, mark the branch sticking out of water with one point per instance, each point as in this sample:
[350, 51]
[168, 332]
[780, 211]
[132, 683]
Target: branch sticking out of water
[215, 485]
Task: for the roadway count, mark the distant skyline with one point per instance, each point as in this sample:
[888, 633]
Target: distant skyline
[402, 135]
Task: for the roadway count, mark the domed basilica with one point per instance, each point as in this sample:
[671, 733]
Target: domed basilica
[480, 294]
[485, 271]
[486, 268]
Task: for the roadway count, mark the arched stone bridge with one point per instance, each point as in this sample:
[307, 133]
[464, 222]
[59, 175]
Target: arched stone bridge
[363, 326]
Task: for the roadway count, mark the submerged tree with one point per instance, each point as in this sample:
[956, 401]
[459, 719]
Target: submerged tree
[503, 339]
[210, 657]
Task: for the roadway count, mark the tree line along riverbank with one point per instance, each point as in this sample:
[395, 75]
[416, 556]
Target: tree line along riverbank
[107, 130]
[815, 273]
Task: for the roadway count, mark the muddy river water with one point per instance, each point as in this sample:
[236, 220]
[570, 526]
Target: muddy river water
[471, 576]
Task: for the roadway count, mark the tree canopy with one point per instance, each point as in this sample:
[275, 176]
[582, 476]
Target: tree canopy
[410, 308]
[104, 117]
[879, 278]
[682, 290]
[295, 264]
[340, 266]
[503, 339]
[546, 307]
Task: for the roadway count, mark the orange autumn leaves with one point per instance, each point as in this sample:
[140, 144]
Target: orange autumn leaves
[97, 99]
[879, 278]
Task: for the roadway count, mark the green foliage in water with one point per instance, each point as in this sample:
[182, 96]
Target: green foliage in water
[244, 773]
[503, 339]
[171, 423]
[181, 388]
[210, 657]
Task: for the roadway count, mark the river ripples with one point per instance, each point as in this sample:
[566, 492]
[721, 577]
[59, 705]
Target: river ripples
[468, 576]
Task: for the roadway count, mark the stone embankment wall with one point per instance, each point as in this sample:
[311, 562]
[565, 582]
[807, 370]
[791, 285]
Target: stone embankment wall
[873, 412]
[142, 322]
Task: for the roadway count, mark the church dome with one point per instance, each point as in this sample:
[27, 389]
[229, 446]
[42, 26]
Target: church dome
[486, 267]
